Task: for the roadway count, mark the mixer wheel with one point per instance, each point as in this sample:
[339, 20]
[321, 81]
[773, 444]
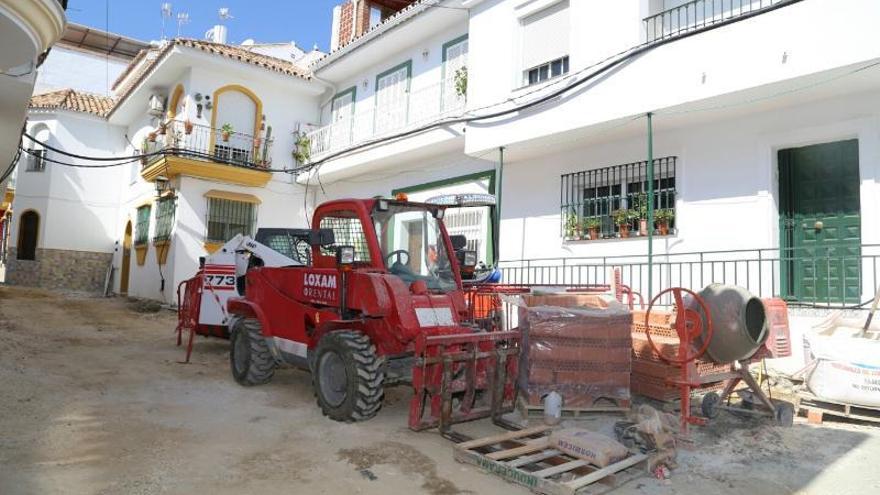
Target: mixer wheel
[784, 414]
[709, 405]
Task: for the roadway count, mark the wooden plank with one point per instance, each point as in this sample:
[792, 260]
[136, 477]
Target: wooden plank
[530, 447]
[503, 437]
[606, 471]
[531, 459]
[568, 466]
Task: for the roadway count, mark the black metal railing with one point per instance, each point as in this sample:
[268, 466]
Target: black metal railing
[698, 14]
[815, 277]
[180, 138]
[610, 200]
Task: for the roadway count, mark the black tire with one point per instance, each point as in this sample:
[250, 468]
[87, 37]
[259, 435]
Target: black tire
[250, 359]
[709, 405]
[784, 414]
[347, 376]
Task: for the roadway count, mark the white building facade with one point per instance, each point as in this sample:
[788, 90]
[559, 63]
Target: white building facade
[765, 139]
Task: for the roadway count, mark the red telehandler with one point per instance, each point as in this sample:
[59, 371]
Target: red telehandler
[370, 296]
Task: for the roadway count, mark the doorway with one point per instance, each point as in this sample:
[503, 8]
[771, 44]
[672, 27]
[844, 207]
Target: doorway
[820, 222]
[126, 260]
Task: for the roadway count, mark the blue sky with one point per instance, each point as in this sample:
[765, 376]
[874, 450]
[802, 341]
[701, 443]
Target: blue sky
[304, 21]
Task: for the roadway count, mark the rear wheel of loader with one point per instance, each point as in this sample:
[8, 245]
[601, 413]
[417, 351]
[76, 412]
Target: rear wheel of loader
[347, 376]
[249, 355]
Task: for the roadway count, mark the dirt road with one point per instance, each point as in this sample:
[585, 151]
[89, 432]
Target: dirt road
[94, 401]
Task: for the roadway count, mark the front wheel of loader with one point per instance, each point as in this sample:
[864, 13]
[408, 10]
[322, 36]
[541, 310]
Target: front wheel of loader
[347, 376]
[249, 355]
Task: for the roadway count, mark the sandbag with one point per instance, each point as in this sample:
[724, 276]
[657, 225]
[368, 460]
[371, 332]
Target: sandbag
[595, 448]
[847, 368]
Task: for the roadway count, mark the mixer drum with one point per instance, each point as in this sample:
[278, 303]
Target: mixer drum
[738, 319]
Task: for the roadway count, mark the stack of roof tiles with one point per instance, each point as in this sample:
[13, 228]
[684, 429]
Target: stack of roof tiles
[577, 346]
[652, 375]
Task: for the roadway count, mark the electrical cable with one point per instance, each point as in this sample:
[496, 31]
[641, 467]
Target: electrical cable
[621, 57]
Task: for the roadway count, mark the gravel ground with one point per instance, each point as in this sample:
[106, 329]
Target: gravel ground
[93, 400]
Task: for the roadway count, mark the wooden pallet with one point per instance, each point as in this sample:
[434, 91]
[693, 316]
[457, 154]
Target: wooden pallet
[525, 458]
[816, 408]
[532, 412]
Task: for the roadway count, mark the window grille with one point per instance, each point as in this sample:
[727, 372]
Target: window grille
[142, 225]
[347, 231]
[228, 218]
[597, 194]
[36, 162]
[231, 154]
[164, 218]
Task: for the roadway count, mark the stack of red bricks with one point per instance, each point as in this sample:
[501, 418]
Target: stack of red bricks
[579, 347]
[650, 373]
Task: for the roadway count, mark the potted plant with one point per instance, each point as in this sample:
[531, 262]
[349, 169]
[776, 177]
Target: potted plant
[571, 227]
[641, 208]
[591, 226]
[664, 217]
[302, 149]
[461, 82]
[225, 130]
[623, 219]
[187, 127]
[144, 148]
[151, 137]
[162, 129]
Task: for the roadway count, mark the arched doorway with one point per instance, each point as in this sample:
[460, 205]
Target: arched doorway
[28, 231]
[126, 260]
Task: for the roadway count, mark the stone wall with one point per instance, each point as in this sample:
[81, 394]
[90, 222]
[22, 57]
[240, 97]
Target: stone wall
[59, 269]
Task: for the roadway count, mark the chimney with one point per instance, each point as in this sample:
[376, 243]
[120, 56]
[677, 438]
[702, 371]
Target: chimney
[334, 32]
[217, 34]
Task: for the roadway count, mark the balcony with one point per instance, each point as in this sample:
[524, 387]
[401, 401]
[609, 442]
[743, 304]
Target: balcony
[422, 106]
[699, 14]
[207, 153]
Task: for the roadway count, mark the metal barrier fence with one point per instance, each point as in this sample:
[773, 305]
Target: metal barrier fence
[697, 14]
[814, 277]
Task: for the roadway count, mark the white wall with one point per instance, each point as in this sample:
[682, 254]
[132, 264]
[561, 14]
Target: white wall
[768, 48]
[727, 181]
[78, 206]
[67, 67]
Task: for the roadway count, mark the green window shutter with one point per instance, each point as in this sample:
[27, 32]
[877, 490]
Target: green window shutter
[164, 218]
[142, 225]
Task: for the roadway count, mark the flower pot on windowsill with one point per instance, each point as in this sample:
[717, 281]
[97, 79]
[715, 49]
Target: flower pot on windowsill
[663, 227]
[161, 130]
[624, 231]
[593, 233]
[643, 226]
[225, 136]
[187, 127]
[151, 137]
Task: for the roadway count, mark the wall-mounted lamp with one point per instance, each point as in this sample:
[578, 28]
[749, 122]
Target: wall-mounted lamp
[425, 53]
[784, 57]
[366, 84]
[163, 186]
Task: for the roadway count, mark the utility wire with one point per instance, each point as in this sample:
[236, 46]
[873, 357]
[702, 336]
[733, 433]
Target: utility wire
[610, 63]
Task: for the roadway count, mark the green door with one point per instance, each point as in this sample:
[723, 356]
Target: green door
[820, 222]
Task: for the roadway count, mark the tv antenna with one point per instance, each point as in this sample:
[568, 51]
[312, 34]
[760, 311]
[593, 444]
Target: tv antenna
[182, 18]
[224, 14]
[166, 14]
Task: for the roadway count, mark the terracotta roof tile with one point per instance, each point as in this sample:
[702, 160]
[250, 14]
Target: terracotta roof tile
[75, 101]
[241, 54]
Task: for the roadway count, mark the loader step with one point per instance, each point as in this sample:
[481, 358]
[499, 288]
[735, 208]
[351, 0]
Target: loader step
[525, 457]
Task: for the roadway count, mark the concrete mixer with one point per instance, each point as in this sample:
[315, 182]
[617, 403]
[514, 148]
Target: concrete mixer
[729, 325]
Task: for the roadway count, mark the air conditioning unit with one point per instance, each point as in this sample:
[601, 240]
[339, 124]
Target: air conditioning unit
[157, 106]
